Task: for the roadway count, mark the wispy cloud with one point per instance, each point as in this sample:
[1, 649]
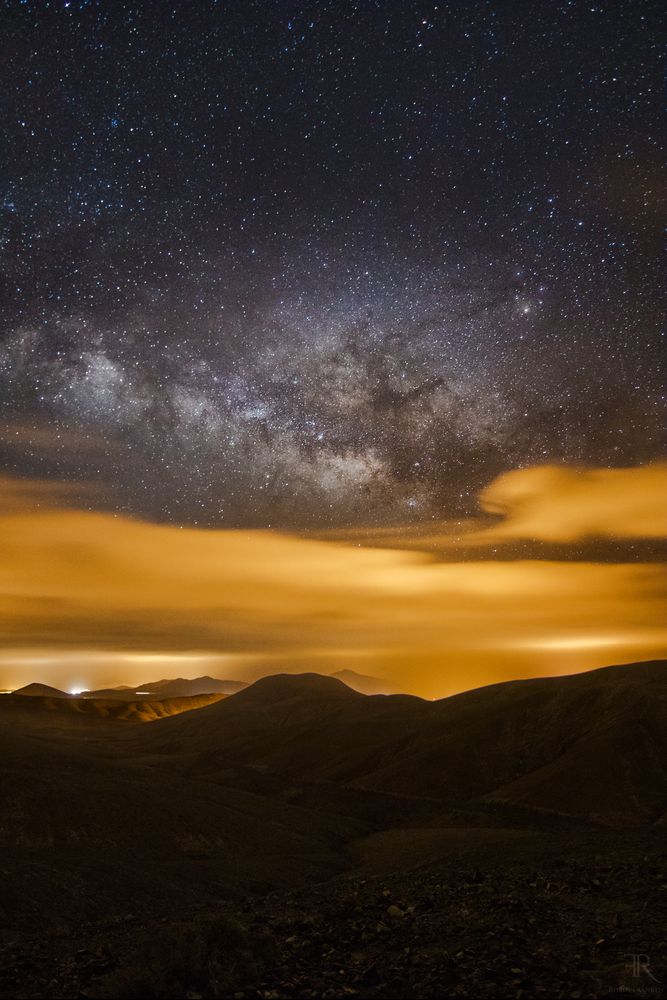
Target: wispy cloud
[565, 504]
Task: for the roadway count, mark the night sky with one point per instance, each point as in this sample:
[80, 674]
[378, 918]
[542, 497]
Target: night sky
[314, 265]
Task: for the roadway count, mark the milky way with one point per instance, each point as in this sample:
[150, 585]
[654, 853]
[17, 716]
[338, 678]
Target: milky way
[326, 263]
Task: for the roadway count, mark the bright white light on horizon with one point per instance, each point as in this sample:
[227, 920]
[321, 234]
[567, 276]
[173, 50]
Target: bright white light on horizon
[90, 669]
[587, 641]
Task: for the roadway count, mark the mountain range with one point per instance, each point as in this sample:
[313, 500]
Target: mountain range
[178, 687]
[587, 745]
[299, 781]
[183, 687]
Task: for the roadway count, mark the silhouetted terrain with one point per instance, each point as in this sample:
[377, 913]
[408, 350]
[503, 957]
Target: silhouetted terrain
[179, 687]
[41, 691]
[183, 687]
[62, 711]
[587, 745]
[364, 683]
[506, 841]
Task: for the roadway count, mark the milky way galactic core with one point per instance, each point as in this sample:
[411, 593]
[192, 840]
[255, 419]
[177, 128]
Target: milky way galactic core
[327, 263]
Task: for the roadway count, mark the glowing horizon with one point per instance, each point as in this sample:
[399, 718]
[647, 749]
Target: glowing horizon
[91, 599]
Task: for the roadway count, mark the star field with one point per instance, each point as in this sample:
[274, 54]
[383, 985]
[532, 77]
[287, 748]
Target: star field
[327, 263]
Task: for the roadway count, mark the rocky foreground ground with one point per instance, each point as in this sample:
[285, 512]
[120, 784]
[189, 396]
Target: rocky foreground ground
[590, 925]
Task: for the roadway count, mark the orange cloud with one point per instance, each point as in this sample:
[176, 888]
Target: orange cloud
[561, 504]
[74, 580]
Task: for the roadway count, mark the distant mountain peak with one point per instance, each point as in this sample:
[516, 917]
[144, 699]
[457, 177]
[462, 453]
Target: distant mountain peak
[171, 687]
[365, 683]
[37, 690]
[310, 685]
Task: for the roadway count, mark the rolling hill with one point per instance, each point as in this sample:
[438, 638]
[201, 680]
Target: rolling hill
[383, 826]
[590, 746]
[36, 690]
[298, 777]
[53, 710]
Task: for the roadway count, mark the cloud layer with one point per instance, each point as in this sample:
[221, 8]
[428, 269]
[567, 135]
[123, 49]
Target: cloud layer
[71, 579]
